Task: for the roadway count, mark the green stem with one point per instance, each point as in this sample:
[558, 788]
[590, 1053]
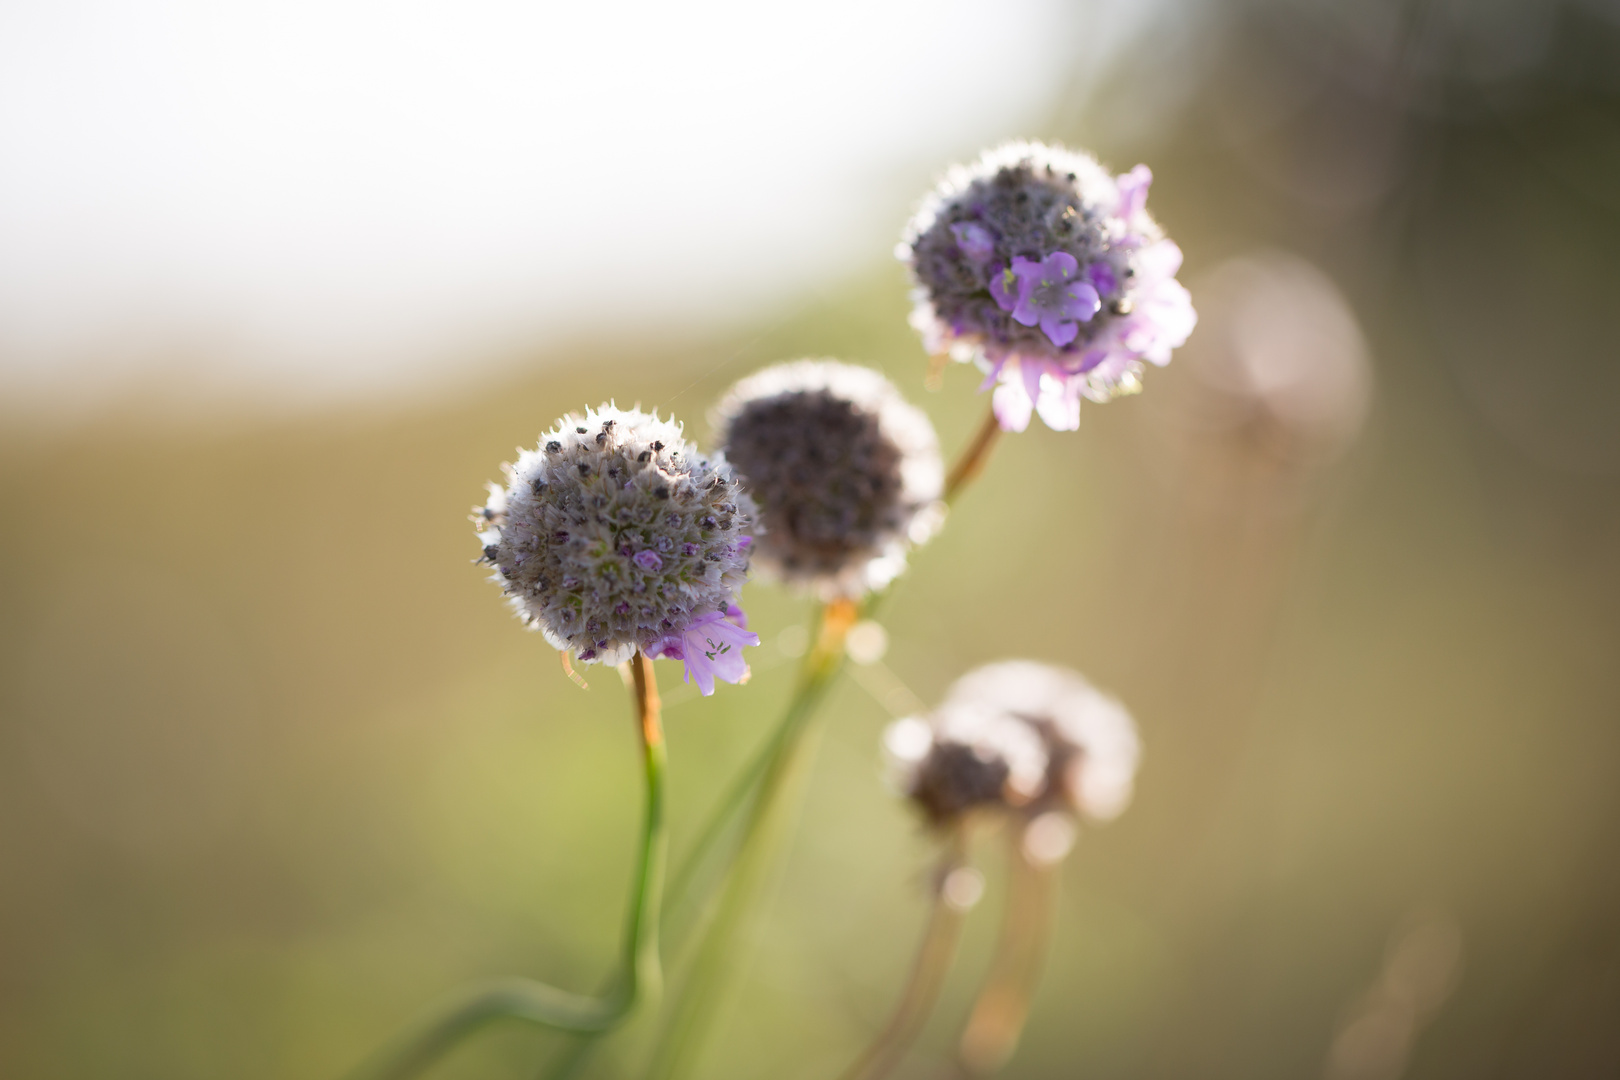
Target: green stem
[695, 1011]
[536, 1002]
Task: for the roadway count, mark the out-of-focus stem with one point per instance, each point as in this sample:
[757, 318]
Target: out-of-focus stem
[677, 895]
[972, 460]
[997, 1020]
[678, 1049]
[927, 976]
[544, 1005]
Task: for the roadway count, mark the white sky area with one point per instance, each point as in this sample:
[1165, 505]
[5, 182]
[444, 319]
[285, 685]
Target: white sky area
[305, 201]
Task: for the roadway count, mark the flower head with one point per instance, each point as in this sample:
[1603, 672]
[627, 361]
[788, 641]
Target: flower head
[956, 762]
[1018, 736]
[613, 535]
[1050, 274]
[847, 474]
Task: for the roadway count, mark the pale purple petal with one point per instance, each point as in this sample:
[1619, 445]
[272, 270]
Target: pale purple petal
[649, 560]
[1027, 273]
[1060, 330]
[1004, 287]
[1059, 404]
[1031, 371]
[1012, 405]
[974, 241]
[1059, 266]
[993, 376]
[1101, 277]
[1158, 261]
[1133, 191]
[1081, 301]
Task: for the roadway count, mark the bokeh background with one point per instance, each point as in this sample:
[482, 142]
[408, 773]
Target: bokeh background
[281, 285]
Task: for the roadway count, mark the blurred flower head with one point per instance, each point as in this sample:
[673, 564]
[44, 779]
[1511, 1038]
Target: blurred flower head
[846, 473]
[1049, 274]
[1017, 735]
[1090, 740]
[613, 535]
[1281, 360]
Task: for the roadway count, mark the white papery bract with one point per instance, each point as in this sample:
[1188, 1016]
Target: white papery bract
[614, 535]
[846, 472]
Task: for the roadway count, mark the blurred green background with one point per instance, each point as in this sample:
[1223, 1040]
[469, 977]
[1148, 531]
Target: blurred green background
[277, 768]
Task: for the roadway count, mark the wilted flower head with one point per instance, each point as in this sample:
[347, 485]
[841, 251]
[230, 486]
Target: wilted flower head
[1090, 739]
[1036, 264]
[614, 536]
[1018, 735]
[957, 761]
[847, 474]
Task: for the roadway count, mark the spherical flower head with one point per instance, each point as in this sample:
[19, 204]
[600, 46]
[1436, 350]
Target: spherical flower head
[847, 474]
[614, 535]
[1090, 741]
[1049, 273]
[959, 761]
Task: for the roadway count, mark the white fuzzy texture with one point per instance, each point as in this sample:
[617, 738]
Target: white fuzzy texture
[1087, 732]
[1061, 742]
[846, 472]
[613, 534]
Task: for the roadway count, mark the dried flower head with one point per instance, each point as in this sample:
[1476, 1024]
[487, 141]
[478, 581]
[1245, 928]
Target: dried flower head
[1037, 265]
[957, 761]
[1017, 735]
[846, 472]
[614, 536]
[1090, 740]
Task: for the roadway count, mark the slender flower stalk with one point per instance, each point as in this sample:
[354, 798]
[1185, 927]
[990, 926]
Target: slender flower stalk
[997, 1020]
[967, 467]
[954, 894]
[771, 812]
[538, 1003]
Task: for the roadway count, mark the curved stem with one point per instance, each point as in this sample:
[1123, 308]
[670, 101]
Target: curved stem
[677, 895]
[536, 1002]
[927, 978]
[997, 1021]
[735, 798]
[682, 1040]
[973, 457]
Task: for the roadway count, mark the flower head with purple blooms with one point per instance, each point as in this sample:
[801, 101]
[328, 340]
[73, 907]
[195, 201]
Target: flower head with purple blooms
[1049, 273]
[614, 535]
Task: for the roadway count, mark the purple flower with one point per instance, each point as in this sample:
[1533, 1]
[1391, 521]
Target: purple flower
[974, 241]
[711, 646]
[1048, 294]
[649, 560]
